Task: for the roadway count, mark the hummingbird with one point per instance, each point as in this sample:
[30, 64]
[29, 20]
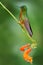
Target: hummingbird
[24, 21]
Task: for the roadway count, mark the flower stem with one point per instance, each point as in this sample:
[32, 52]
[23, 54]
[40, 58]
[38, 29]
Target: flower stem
[9, 12]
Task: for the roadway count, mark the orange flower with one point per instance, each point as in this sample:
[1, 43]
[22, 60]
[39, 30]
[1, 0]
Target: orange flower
[26, 53]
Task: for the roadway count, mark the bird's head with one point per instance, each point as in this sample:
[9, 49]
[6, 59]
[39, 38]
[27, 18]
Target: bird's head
[23, 9]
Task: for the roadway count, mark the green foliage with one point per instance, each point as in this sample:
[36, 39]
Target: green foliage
[12, 37]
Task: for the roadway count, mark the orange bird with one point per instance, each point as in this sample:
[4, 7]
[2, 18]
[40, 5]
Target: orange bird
[24, 21]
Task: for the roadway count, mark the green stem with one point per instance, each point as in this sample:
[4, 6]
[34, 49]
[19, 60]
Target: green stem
[9, 12]
[16, 20]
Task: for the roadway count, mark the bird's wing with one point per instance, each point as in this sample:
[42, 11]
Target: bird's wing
[28, 27]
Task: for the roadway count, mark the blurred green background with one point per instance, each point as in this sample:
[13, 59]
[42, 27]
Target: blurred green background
[12, 37]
